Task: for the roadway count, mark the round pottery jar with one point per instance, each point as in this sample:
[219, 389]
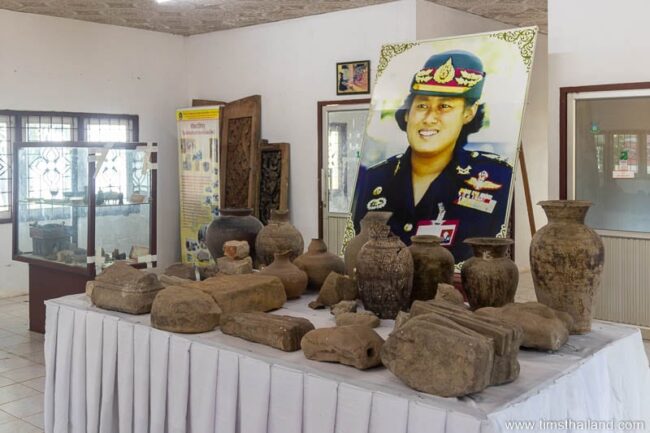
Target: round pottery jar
[353, 248]
[278, 236]
[489, 278]
[293, 279]
[566, 261]
[232, 225]
[318, 263]
[433, 264]
[384, 273]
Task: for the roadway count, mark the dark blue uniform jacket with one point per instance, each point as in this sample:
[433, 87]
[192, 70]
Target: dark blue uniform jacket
[473, 189]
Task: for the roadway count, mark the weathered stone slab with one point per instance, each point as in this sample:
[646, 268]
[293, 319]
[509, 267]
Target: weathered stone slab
[402, 318]
[281, 332]
[344, 307]
[181, 270]
[243, 293]
[436, 355]
[167, 280]
[447, 292]
[363, 318]
[543, 328]
[184, 309]
[356, 345]
[230, 266]
[335, 288]
[123, 288]
[236, 249]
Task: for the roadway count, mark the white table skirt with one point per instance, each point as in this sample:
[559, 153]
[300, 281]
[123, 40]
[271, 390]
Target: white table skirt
[109, 372]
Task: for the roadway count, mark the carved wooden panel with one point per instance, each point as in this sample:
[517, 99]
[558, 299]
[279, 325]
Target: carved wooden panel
[274, 179]
[240, 138]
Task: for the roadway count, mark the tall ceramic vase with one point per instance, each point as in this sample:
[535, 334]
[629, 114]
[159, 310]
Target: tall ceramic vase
[317, 262]
[232, 225]
[566, 260]
[353, 248]
[489, 278]
[384, 273]
[277, 236]
[433, 264]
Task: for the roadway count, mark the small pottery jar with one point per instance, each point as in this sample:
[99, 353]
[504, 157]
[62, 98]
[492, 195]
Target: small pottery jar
[384, 273]
[566, 261]
[318, 263]
[278, 236]
[293, 279]
[232, 225]
[433, 264]
[353, 248]
[489, 278]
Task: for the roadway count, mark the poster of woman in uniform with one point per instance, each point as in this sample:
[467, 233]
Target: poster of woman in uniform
[442, 138]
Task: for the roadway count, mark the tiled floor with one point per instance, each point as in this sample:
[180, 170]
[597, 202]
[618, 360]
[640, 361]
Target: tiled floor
[22, 370]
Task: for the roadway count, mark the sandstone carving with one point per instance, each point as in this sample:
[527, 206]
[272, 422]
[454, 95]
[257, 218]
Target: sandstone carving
[356, 345]
[543, 327]
[335, 288]
[236, 249]
[167, 280]
[242, 293]
[184, 309]
[364, 318]
[123, 288]
[230, 266]
[281, 332]
[344, 307]
[181, 270]
[402, 318]
[447, 292]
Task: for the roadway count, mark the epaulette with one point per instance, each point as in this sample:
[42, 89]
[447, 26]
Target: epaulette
[391, 160]
[491, 156]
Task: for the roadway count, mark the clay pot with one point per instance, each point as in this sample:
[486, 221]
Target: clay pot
[433, 264]
[384, 273]
[489, 278]
[293, 279]
[353, 248]
[278, 236]
[232, 225]
[566, 260]
[318, 263]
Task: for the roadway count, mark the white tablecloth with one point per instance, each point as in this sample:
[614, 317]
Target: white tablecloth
[109, 372]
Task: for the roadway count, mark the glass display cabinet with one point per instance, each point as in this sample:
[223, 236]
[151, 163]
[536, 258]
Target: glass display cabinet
[77, 208]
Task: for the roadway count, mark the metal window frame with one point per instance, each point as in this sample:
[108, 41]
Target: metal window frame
[81, 119]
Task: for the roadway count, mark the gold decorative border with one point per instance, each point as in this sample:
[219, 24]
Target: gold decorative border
[390, 51]
[348, 235]
[524, 39]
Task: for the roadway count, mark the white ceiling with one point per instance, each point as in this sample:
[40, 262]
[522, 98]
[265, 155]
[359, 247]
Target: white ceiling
[190, 17]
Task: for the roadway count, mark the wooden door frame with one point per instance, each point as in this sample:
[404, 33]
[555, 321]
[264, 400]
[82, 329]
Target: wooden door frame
[319, 168]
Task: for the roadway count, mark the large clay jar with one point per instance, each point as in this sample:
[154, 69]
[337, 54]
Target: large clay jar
[293, 279]
[318, 263]
[489, 278]
[433, 264]
[278, 236]
[232, 225]
[353, 248]
[384, 273]
[566, 260]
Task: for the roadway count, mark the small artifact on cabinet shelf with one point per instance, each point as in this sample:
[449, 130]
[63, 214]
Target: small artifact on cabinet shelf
[185, 310]
[242, 293]
[363, 318]
[318, 263]
[543, 327]
[50, 238]
[446, 350]
[274, 179]
[123, 288]
[566, 261]
[355, 345]
[344, 307]
[117, 255]
[138, 251]
[335, 288]
[137, 198]
[281, 332]
[489, 278]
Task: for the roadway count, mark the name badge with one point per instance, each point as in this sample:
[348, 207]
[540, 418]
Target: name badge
[481, 201]
[446, 230]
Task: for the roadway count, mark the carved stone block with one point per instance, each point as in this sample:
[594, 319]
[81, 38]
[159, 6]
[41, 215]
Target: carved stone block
[230, 266]
[236, 249]
[364, 318]
[184, 309]
[122, 288]
[356, 345]
[281, 332]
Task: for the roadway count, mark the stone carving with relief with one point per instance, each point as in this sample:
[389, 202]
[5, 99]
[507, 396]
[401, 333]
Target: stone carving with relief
[282, 332]
[185, 310]
[356, 345]
[121, 287]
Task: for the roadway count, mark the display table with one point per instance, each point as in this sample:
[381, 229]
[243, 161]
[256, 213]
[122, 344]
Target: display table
[109, 372]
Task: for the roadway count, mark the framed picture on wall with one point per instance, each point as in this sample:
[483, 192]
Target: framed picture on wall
[353, 78]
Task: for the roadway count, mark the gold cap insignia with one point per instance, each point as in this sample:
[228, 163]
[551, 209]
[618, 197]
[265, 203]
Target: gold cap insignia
[377, 190]
[445, 73]
[461, 170]
[468, 79]
[408, 227]
[423, 76]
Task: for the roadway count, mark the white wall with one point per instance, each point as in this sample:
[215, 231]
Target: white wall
[67, 65]
[292, 65]
[435, 21]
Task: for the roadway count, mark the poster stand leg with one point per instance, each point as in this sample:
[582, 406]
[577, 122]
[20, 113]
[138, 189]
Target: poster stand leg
[529, 204]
